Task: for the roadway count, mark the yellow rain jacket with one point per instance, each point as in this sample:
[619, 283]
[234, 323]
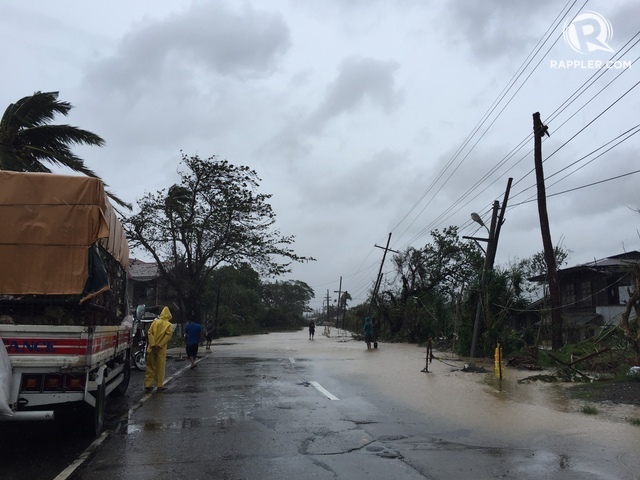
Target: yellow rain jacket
[158, 337]
[160, 332]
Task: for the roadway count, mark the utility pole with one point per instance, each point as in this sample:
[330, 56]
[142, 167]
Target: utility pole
[328, 309]
[376, 286]
[539, 131]
[487, 266]
[338, 309]
[344, 308]
[489, 259]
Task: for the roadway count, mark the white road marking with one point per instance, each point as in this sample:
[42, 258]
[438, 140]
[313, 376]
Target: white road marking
[66, 473]
[324, 391]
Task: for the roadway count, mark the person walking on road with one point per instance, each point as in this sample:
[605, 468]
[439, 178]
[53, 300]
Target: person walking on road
[158, 337]
[367, 329]
[209, 335]
[193, 332]
[312, 329]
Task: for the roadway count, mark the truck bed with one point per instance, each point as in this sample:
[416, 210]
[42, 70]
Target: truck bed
[49, 347]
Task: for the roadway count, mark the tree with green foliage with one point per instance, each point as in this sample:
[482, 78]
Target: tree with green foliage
[213, 217]
[286, 303]
[534, 270]
[505, 299]
[28, 142]
[438, 273]
[232, 300]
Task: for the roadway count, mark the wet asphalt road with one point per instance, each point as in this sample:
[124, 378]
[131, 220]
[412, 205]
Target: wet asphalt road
[249, 418]
[254, 412]
[41, 450]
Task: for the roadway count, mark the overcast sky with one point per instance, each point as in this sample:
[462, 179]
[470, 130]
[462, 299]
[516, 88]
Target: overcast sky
[362, 118]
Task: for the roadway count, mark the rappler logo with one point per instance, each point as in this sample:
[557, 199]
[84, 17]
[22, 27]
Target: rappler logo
[588, 32]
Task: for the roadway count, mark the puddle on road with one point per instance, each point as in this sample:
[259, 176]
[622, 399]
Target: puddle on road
[235, 409]
[156, 426]
[186, 423]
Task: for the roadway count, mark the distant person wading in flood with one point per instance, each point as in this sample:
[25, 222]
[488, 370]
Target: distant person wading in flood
[367, 329]
[312, 329]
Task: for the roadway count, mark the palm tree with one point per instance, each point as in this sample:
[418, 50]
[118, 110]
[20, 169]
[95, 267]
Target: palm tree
[27, 139]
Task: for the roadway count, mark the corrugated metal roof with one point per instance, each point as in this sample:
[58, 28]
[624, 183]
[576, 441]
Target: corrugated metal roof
[608, 264]
[143, 271]
[577, 321]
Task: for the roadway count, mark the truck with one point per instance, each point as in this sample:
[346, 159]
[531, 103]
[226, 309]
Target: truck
[65, 329]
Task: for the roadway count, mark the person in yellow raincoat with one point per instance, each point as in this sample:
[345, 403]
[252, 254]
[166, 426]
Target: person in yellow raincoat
[158, 337]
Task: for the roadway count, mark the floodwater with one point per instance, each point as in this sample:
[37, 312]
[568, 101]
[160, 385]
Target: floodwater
[245, 413]
[502, 409]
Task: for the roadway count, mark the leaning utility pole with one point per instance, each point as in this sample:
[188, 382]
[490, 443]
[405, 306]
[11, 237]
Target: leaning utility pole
[487, 266]
[539, 131]
[376, 287]
[489, 259]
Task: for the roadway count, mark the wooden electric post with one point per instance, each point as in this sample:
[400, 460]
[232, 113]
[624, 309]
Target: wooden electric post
[490, 256]
[376, 287]
[539, 131]
[339, 292]
[328, 308]
[344, 307]
[487, 266]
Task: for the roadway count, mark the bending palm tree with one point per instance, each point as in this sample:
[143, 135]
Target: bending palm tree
[27, 139]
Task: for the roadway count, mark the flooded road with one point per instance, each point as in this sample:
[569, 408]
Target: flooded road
[281, 406]
[473, 410]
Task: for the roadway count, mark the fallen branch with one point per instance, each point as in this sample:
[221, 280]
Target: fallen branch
[589, 356]
[573, 369]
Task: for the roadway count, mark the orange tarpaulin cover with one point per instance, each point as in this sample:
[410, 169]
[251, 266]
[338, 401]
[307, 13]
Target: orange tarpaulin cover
[48, 223]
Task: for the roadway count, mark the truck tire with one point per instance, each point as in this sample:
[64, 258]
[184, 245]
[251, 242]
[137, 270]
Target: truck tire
[94, 416]
[140, 361]
[122, 387]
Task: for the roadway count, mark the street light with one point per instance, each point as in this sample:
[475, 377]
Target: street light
[476, 218]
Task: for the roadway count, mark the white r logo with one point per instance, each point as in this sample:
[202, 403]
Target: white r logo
[588, 32]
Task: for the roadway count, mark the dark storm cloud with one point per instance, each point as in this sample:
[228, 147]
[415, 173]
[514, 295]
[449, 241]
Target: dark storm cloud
[371, 182]
[358, 79]
[247, 43]
[498, 29]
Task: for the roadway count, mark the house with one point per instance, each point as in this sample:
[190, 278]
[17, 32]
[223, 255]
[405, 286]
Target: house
[593, 295]
[145, 286]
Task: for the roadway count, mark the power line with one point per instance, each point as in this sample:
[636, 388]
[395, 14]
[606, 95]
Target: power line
[490, 111]
[564, 106]
[581, 187]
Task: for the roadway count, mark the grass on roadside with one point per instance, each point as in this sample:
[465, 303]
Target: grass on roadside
[589, 410]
